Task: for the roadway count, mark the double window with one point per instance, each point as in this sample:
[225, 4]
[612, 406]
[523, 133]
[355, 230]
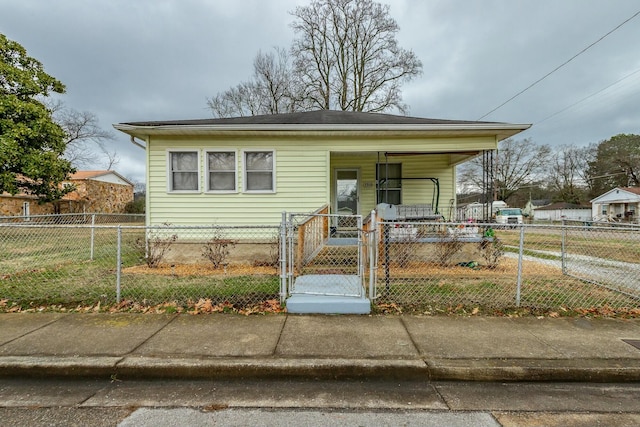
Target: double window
[221, 171]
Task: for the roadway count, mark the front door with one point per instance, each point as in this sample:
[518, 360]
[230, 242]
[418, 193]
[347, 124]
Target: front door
[347, 200]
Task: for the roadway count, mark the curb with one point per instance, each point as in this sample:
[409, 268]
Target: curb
[488, 370]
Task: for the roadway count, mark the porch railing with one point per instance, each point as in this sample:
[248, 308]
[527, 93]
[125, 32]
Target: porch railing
[312, 234]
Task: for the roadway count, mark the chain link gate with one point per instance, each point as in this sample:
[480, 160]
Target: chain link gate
[325, 255]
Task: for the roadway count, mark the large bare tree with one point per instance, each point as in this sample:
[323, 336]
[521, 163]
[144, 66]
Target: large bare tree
[345, 57]
[518, 164]
[568, 173]
[271, 90]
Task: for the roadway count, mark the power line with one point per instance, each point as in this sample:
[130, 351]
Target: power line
[587, 97]
[559, 66]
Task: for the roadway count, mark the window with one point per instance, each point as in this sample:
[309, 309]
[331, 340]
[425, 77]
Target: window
[221, 171]
[389, 183]
[259, 171]
[183, 171]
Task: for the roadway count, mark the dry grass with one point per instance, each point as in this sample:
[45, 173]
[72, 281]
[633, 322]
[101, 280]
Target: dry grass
[182, 270]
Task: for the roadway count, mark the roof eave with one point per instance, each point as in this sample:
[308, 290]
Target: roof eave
[500, 130]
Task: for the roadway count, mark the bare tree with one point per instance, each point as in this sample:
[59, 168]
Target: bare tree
[85, 139]
[348, 58]
[518, 164]
[567, 173]
[345, 57]
[271, 90]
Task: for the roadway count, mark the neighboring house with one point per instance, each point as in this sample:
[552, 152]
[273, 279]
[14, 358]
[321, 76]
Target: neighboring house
[619, 204]
[562, 211]
[476, 211]
[532, 205]
[96, 192]
[248, 170]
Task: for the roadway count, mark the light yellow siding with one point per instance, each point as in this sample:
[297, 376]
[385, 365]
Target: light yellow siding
[305, 173]
[301, 185]
[415, 190]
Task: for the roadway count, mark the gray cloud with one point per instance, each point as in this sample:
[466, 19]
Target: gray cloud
[156, 60]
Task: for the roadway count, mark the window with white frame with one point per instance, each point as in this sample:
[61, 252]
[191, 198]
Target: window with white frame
[388, 178]
[259, 171]
[221, 171]
[183, 171]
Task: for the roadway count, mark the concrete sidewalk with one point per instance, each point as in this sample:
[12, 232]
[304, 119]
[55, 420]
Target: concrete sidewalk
[316, 346]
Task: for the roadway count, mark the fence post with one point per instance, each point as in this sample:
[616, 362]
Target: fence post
[283, 258]
[563, 248]
[387, 257]
[520, 256]
[373, 243]
[93, 234]
[118, 263]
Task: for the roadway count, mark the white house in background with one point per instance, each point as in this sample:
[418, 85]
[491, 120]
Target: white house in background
[562, 211]
[476, 210]
[532, 205]
[619, 204]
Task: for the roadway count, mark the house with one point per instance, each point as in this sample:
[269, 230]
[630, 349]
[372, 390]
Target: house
[562, 211]
[248, 170]
[619, 204]
[534, 204]
[477, 211]
[102, 191]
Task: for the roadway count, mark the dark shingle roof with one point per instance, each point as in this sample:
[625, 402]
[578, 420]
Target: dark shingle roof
[562, 205]
[329, 117]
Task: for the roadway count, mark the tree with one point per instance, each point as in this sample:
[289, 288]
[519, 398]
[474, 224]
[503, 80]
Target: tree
[83, 135]
[272, 89]
[345, 57]
[518, 164]
[567, 173]
[616, 163]
[31, 143]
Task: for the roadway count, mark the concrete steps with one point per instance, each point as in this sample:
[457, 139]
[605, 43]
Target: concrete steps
[328, 294]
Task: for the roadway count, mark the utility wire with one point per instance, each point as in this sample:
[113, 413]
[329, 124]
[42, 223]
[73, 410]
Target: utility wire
[559, 66]
[587, 97]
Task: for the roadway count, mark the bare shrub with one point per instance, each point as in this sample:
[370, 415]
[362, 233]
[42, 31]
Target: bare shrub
[218, 248]
[491, 250]
[446, 247]
[155, 248]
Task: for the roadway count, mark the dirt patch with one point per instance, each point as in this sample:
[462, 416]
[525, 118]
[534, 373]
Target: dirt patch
[180, 270]
[506, 268]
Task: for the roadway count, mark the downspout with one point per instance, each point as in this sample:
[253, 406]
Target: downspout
[134, 142]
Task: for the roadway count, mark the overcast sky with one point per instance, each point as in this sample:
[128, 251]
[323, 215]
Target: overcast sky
[132, 60]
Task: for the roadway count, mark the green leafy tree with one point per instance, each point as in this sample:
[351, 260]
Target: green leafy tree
[31, 142]
[616, 163]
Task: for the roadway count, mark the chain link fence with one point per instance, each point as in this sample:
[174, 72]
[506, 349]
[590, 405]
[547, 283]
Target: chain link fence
[78, 265]
[419, 267]
[434, 267]
[76, 218]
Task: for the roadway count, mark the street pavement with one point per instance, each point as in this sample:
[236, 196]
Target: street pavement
[277, 346]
